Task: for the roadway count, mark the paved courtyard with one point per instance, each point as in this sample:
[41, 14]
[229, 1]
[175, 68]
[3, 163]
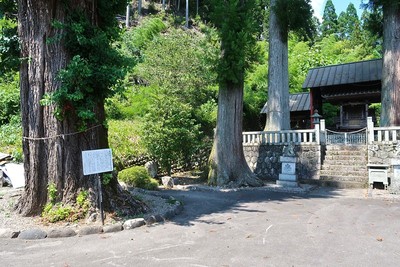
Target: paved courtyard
[327, 227]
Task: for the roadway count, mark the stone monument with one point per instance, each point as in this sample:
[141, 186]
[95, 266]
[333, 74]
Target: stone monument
[288, 176]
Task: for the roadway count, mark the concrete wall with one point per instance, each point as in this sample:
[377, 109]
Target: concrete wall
[263, 160]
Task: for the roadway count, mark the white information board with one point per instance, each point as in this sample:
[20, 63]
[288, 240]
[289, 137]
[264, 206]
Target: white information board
[97, 161]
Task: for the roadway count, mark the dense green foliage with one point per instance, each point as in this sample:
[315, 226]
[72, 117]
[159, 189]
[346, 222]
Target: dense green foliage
[348, 23]
[180, 65]
[295, 16]
[256, 89]
[329, 20]
[9, 97]
[236, 24]
[138, 177]
[124, 140]
[173, 92]
[9, 46]
[10, 119]
[166, 106]
[169, 133]
[95, 68]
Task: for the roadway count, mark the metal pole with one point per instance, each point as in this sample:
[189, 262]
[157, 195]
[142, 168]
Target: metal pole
[100, 200]
[128, 9]
[187, 14]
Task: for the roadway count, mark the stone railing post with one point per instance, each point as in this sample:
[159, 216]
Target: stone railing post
[323, 131]
[317, 134]
[370, 130]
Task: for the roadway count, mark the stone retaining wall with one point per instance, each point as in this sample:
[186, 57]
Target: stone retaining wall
[385, 153]
[263, 160]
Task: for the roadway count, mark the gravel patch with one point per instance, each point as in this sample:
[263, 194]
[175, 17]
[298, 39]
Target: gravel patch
[161, 208]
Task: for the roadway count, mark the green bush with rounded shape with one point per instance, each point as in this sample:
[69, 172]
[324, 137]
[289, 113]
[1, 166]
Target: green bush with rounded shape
[137, 176]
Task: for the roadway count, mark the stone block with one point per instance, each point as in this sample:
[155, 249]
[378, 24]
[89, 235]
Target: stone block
[151, 167]
[288, 168]
[288, 159]
[287, 183]
[287, 177]
[112, 228]
[31, 234]
[58, 233]
[167, 182]
[8, 233]
[91, 230]
[134, 223]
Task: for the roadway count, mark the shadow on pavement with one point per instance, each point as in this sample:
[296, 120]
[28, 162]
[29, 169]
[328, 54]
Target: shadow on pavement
[200, 203]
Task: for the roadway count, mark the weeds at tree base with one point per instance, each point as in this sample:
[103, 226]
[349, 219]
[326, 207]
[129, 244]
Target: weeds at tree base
[58, 211]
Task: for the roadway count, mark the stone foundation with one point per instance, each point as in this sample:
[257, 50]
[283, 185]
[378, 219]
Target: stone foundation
[386, 154]
[263, 160]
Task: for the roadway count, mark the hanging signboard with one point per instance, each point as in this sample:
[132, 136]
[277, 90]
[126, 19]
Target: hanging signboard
[97, 161]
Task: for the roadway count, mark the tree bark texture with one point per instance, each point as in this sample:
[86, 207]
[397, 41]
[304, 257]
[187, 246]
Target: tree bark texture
[390, 96]
[278, 114]
[228, 166]
[52, 148]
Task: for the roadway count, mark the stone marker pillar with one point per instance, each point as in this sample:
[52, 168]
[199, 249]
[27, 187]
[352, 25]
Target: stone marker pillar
[288, 176]
[395, 180]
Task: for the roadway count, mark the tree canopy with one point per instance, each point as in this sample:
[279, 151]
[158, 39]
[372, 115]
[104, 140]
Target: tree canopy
[329, 20]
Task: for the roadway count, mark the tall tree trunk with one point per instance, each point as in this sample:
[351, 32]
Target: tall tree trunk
[52, 148]
[278, 114]
[228, 166]
[391, 65]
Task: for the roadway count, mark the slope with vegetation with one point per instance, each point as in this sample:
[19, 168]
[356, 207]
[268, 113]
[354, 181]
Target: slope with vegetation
[166, 109]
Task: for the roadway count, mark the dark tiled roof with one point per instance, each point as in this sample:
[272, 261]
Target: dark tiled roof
[356, 72]
[297, 102]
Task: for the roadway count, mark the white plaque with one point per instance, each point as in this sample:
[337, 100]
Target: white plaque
[97, 161]
[288, 168]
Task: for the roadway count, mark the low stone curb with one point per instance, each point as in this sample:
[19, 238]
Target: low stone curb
[34, 234]
[301, 189]
[57, 233]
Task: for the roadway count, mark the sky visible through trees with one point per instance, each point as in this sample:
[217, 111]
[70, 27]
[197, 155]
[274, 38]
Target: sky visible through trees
[340, 6]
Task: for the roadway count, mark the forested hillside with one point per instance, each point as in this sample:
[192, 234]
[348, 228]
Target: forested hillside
[166, 107]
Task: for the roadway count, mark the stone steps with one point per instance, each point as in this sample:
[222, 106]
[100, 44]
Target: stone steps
[330, 170]
[343, 184]
[343, 178]
[350, 174]
[345, 166]
[347, 153]
[346, 148]
[341, 157]
[340, 163]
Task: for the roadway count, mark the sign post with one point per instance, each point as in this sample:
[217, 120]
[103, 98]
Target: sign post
[95, 162]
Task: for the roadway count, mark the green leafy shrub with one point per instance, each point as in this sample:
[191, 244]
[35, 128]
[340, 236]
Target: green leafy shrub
[138, 177]
[58, 212]
[82, 199]
[170, 134]
[9, 97]
[135, 40]
[52, 193]
[123, 137]
[55, 211]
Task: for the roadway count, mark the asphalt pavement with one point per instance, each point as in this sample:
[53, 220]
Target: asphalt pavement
[324, 227]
